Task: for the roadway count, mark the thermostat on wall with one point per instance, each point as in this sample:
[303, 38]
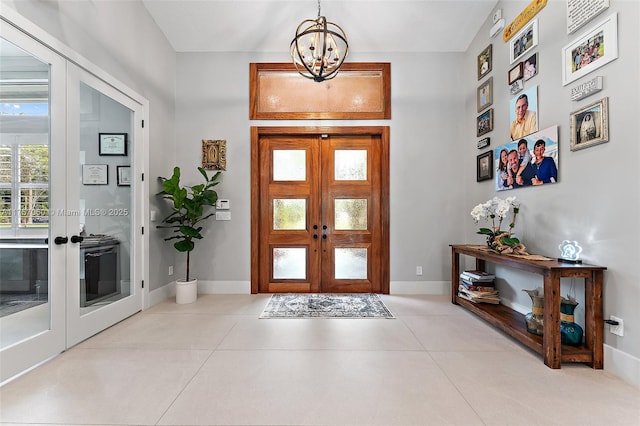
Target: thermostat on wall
[222, 205]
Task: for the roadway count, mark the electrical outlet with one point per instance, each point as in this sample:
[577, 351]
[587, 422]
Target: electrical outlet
[618, 330]
[418, 270]
[170, 270]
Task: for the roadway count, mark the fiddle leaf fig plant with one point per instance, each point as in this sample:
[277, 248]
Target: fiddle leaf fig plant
[188, 204]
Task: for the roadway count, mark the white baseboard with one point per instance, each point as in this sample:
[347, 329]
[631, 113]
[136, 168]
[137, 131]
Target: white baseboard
[623, 365]
[420, 287]
[161, 294]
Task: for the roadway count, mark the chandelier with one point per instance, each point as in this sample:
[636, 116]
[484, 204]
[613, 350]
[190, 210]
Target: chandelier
[319, 48]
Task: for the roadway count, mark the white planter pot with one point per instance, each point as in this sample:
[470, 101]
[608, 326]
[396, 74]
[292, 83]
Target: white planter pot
[186, 291]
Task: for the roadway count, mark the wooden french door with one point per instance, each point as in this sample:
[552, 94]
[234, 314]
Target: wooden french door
[320, 210]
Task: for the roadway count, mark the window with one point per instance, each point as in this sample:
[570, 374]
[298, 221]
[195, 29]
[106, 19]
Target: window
[24, 173]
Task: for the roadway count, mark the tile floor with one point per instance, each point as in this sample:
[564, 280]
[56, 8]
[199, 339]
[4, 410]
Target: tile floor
[214, 362]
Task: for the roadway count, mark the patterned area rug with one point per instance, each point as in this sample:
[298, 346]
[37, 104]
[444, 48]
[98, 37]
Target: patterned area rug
[360, 305]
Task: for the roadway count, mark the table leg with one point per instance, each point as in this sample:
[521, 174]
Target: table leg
[455, 273]
[551, 345]
[593, 318]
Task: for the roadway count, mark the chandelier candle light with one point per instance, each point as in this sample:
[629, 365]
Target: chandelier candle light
[319, 48]
[498, 240]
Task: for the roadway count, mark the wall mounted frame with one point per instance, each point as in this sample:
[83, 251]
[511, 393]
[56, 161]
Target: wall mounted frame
[361, 90]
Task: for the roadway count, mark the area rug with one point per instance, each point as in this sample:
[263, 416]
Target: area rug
[357, 305]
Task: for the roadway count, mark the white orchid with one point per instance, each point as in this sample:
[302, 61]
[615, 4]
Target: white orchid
[498, 208]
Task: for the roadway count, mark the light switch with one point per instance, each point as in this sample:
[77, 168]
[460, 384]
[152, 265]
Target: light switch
[223, 205]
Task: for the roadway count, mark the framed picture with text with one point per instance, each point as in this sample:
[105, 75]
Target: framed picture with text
[123, 175]
[112, 143]
[515, 73]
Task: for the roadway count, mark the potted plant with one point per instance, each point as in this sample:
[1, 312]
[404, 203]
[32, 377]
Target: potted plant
[188, 204]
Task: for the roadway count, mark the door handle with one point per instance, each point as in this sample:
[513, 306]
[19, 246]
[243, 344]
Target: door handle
[315, 236]
[324, 226]
[61, 240]
[324, 236]
[315, 226]
[76, 239]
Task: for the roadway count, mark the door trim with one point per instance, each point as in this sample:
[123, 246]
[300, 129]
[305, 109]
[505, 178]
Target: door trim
[380, 131]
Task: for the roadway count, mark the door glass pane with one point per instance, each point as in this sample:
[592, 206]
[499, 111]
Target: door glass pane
[289, 214]
[289, 164]
[25, 307]
[350, 214]
[351, 263]
[350, 164]
[290, 263]
[105, 199]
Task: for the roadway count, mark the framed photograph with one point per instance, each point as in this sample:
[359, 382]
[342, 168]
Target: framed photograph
[530, 67]
[523, 113]
[214, 154]
[590, 125]
[112, 143]
[485, 94]
[485, 61]
[524, 41]
[95, 174]
[529, 161]
[596, 47]
[484, 166]
[123, 175]
[515, 73]
[484, 122]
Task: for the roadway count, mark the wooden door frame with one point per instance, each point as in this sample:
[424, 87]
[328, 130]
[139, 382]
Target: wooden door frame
[380, 131]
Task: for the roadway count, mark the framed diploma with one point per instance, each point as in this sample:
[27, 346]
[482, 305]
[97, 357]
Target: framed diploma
[112, 143]
[124, 175]
[95, 174]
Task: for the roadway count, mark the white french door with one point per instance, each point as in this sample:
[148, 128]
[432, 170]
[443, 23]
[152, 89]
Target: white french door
[103, 140]
[71, 199]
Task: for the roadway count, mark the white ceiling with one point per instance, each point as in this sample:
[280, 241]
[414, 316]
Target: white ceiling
[370, 26]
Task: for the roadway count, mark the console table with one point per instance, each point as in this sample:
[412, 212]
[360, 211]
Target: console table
[513, 323]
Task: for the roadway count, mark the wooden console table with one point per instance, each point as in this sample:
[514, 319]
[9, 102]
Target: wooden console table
[513, 323]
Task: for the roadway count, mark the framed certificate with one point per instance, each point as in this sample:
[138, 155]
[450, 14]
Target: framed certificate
[124, 175]
[95, 174]
[112, 143]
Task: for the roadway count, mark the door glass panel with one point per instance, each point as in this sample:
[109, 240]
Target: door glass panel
[25, 308]
[290, 263]
[351, 263]
[289, 165]
[289, 214]
[350, 164]
[105, 202]
[350, 214]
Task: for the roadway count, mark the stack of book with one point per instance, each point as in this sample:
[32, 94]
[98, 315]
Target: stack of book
[478, 287]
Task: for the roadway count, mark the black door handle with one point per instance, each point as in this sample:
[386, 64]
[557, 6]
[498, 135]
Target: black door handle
[61, 240]
[315, 226]
[324, 226]
[315, 236]
[76, 239]
[324, 236]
